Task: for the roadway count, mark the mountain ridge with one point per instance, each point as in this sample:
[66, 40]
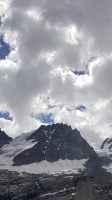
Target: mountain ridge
[54, 142]
[74, 173]
[55, 145]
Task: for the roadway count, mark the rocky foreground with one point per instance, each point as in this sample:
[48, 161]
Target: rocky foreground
[15, 186]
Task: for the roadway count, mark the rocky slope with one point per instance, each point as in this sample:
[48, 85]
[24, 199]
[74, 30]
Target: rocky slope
[15, 186]
[4, 138]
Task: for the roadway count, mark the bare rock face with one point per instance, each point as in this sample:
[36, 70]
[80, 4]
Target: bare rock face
[15, 186]
[4, 138]
[57, 141]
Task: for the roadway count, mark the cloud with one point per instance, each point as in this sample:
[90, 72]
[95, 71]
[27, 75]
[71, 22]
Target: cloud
[52, 44]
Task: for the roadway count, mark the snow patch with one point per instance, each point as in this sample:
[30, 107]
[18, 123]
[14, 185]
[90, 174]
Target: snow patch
[61, 166]
[50, 133]
[106, 151]
[101, 153]
[108, 169]
[19, 144]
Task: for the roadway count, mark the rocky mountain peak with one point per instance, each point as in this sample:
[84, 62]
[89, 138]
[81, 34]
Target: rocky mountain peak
[55, 142]
[55, 131]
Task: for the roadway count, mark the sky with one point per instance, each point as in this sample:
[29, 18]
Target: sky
[56, 66]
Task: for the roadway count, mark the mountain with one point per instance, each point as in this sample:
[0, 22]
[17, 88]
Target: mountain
[52, 162]
[57, 142]
[4, 138]
[49, 149]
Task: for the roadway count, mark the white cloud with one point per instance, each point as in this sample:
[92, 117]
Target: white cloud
[49, 40]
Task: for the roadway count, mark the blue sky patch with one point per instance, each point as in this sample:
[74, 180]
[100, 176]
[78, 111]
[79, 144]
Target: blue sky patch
[86, 71]
[81, 108]
[4, 48]
[79, 73]
[6, 116]
[44, 118]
